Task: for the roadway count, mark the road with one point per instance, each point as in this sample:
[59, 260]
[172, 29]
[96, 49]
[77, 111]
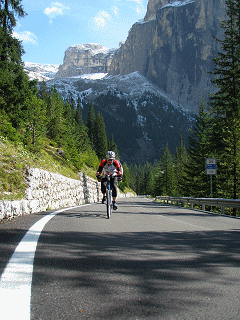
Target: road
[148, 261]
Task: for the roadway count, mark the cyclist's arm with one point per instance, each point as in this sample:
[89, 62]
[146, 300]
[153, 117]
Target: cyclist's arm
[100, 168]
[119, 169]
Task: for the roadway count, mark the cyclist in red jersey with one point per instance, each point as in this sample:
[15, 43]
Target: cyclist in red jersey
[112, 167]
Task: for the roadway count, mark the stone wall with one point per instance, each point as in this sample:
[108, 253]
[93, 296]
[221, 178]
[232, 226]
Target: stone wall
[50, 191]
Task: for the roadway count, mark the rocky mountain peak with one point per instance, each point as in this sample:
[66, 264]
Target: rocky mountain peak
[85, 59]
[154, 5]
[174, 48]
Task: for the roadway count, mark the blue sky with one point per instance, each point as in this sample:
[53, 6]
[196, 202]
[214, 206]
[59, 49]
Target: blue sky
[51, 27]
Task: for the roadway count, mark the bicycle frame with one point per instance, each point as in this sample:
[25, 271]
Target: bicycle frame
[109, 197]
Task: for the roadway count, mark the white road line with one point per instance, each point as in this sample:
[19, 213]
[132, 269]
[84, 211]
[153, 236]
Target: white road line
[16, 280]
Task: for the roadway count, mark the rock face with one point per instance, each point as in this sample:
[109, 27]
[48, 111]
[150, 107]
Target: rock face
[174, 47]
[153, 6]
[84, 59]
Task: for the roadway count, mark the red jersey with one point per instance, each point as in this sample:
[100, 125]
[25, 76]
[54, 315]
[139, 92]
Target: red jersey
[113, 169]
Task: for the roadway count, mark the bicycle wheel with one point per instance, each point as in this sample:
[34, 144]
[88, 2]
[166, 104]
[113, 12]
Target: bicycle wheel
[109, 202]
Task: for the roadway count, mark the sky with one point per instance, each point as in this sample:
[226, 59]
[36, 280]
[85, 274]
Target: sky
[51, 27]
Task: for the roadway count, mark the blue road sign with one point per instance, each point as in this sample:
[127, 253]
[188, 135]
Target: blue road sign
[211, 166]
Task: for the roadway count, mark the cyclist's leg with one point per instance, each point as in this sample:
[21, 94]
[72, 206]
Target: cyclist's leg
[103, 188]
[114, 183]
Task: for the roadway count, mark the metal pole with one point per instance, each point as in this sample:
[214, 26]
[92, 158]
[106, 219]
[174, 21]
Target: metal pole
[211, 187]
[211, 184]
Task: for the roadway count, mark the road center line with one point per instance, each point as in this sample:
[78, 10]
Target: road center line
[16, 279]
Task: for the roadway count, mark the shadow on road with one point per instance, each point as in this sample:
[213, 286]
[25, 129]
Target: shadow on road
[149, 274]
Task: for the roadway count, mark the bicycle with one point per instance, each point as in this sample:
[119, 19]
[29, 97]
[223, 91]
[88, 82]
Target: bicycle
[108, 196]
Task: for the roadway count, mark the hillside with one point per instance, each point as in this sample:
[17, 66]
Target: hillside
[140, 117]
[14, 160]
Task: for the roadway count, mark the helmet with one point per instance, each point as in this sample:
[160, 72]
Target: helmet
[110, 155]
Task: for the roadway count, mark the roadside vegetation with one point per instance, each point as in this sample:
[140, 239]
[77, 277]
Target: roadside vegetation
[15, 159]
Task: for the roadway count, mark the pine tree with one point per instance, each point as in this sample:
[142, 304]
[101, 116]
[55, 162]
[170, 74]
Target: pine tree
[113, 146]
[195, 182]
[149, 179]
[226, 105]
[91, 123]
[180, 159]
[56, 126]
[125, 180]
[100, 136]
[15, 87]
[35, 120]
[79, 113]
[8, 10]
[164, 179]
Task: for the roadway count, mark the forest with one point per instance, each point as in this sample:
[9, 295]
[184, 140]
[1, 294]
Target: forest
[34, 116]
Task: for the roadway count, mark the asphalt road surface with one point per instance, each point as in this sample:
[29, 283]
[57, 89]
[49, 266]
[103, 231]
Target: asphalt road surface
[148, 261]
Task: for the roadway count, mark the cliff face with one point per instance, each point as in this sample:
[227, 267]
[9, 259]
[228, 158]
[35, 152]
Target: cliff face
[175, 50]
[153, 6]
[84, 59]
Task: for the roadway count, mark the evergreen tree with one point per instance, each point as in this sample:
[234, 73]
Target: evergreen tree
[148, 179]
[8, 10]
[180, 160]
[56, 126]
[125, 180]
[15, 87]
[91, 123]
[164, 180]
[35, 120]
[79, 113]
[100, 136]
[6, 128]
[226, 105]
[195, 182]
[113, 146]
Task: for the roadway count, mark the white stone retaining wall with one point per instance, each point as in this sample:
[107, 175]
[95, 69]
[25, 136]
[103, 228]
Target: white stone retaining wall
[50, 191]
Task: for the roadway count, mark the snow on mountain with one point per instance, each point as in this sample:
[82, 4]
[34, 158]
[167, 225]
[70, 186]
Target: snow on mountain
[91, 76]
[131, 105]
[41, 72]
[93, 47]
[178, 3]
[89, 86]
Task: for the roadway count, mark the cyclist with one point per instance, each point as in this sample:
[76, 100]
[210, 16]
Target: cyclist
[113, 167]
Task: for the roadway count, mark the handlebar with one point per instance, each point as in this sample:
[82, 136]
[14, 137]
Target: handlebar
[108, 175]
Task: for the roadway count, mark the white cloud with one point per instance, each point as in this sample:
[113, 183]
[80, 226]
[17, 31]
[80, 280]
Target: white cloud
[102, 18]
[26, 37]
[55, 10]
[115, 10]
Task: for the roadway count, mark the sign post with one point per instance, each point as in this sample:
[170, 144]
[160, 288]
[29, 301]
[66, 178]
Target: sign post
[211, 169]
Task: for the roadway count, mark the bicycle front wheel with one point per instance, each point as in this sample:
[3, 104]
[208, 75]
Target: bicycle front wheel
[109, 202]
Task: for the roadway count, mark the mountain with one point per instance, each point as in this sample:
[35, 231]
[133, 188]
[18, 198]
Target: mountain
[173, 47]
[85, 59]
[41, 72]
[149, 88]
[140, 117]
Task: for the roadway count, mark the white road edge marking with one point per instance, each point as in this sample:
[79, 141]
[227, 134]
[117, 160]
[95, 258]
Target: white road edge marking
[16, 279]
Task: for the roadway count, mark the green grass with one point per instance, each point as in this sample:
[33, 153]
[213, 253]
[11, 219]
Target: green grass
[15, 159]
